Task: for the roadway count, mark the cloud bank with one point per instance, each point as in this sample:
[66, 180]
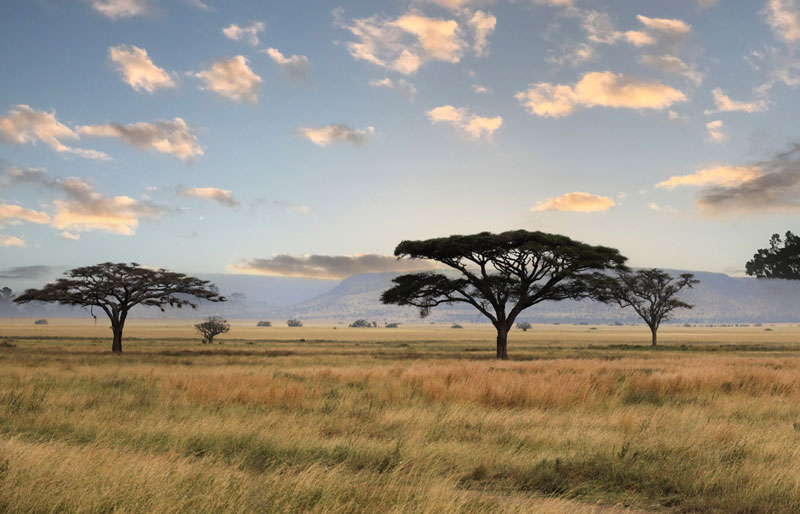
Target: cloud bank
[331, 267]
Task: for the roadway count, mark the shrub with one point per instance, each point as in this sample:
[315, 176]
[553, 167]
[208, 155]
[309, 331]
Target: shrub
[264, 324]
[40, 322]
[456, 325]
[392, 325]
[294, 323]
[360, 323]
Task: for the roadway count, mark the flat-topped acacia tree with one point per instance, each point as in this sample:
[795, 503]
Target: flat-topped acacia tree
[501, 275]
[118, 287]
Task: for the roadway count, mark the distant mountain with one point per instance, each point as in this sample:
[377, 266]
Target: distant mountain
[263, 296]
[718, 298]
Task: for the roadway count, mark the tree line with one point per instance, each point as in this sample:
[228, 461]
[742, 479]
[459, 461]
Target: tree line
[500, 275]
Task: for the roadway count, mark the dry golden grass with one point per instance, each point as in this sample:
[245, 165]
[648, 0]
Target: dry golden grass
[401, 420]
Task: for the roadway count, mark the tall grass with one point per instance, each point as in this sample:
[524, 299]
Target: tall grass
[355, 427]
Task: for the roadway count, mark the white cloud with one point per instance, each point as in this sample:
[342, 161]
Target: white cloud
[324, 136]
[783, 16]
[605, 89]
[725, 176]
[670, 27]
[674, 65]
[232, 78]
[9, 241]
[406, 43]
[116, 9]
[575, 202]
[470, 124]
[85, 210]
[25, 125]
[81, 208]
[402, 86]
[70, 236]
[482, 25]
[725, 104]
[296, 66]
[575, 55]
[174, 137]
[10, 212]
[639, 38]
[480, 90]
[214, 194]
[716, 132]
[247, 34]
[137, 70]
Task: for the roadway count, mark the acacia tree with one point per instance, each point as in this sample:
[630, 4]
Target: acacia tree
[118, 287]
[777, 261]
[653, 294]
[500, 274]
[212, 326]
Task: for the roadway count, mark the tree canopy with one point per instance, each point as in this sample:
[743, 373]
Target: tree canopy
[500, 275]
[652, 293]
[780, 260]
[115, 288]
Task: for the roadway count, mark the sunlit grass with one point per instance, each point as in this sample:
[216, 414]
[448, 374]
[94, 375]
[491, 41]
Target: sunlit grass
[414, 425]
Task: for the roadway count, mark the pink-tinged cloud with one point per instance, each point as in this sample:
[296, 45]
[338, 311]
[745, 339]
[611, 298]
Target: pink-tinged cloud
[598, 89]
[575, 202]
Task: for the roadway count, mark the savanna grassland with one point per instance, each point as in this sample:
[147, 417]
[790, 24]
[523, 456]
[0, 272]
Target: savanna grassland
[414, 419]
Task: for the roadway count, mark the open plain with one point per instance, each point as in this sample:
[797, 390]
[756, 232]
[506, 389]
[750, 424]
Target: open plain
[414, 419]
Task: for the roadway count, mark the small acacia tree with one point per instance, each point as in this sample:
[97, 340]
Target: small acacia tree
[118, 287]
[524, 326]
[500, 274]
[212, 326]
[653, 294]
[780, 260]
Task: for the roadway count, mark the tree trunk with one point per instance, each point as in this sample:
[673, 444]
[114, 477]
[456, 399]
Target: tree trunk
[502, 343]
[654, 330]
[116, 346]
[210, 338]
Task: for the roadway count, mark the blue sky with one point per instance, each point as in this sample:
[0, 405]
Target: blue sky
[210, 136]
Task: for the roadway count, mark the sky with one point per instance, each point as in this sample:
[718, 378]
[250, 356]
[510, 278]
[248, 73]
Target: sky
[308, 138]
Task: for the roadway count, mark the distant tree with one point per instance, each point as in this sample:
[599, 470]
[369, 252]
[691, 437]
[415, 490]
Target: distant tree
[456, 325]
[780, 260]
[264, 324]
[118, 287]
[653, 294]
[212, 326]
[237, 298]
[40, 322]
[500, 274]
[391, 325]
[524, 326]
[294, 323]
[360, 323]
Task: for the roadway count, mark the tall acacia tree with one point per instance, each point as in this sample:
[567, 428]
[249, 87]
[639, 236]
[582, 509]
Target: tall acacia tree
[652, 293]
[118, 287]
[501, 274]
[780, 260]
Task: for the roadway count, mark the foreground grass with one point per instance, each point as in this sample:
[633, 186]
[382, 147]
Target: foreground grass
[399, 426]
